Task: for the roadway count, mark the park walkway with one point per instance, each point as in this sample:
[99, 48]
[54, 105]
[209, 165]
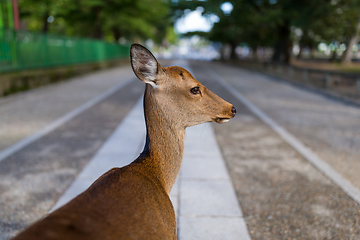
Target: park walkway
[282, 195]
[203, 196]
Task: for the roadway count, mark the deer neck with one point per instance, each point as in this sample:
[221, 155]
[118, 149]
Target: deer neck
[163, 152]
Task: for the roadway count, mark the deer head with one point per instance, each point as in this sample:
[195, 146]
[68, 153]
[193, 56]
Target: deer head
[179, 96]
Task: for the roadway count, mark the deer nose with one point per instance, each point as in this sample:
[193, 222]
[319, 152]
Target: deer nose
[233, 110]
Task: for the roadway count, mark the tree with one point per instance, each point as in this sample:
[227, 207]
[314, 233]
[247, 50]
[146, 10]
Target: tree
[100, 19]
[336, 22]
[262, 22]
[271, 23]
[36, 13]
[346, 59]
[350, 17]
[285, 14]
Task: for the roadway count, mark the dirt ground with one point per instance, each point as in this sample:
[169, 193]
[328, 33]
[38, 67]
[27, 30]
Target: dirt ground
[353, 67]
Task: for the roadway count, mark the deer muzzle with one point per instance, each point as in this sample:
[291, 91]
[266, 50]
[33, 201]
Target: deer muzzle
[227, 117]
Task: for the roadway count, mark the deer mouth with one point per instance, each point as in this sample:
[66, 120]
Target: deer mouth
[227, 118]
[222, 120]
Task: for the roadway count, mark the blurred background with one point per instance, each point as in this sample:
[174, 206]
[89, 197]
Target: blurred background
[307, 34]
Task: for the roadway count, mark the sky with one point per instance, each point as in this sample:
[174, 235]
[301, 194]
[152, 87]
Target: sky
[194, 21]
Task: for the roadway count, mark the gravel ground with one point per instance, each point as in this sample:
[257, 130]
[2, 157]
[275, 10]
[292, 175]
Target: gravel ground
[32, 179]
[281, 194]
[330, 128]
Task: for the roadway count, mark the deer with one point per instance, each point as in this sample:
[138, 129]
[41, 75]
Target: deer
[132, 202]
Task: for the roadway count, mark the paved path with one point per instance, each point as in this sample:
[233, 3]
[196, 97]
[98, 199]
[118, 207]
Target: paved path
[194, 187]
[23, 114]
[33, 178]
[204, 199]
[281, 194]
[330, 128]
[207, 204]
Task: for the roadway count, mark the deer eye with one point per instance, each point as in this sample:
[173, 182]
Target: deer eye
[195, 90]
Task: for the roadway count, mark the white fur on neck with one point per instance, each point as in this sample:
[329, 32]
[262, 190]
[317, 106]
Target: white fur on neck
[152, 82]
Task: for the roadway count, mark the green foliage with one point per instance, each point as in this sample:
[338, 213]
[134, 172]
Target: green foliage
[171, 36]
[101, 19]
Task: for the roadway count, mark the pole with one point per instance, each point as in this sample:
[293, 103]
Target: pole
[16, 15]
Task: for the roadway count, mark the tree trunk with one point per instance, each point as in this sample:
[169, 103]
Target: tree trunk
[233, 55]
[254, 54]
[97, 29]
[333, 56]
[347, 55]
[222, 52]
[225, 51]
[282, 47]
[116, 33]
[301, 47]
[45, 17]
[45, 27]
[312, 52]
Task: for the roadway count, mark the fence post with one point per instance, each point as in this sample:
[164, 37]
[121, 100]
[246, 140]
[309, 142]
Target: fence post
[327, 80]
[306, 75]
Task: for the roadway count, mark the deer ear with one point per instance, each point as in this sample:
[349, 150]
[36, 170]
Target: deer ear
[144, 64]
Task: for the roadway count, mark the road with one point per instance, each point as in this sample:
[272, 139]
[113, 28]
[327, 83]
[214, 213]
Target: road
[282, 195]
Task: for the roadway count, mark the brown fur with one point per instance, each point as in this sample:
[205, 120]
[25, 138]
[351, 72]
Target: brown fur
[133, 202]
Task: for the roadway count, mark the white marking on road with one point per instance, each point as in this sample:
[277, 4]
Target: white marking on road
[306, 152]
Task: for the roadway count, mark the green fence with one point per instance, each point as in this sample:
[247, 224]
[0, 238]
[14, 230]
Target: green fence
[21, 50]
